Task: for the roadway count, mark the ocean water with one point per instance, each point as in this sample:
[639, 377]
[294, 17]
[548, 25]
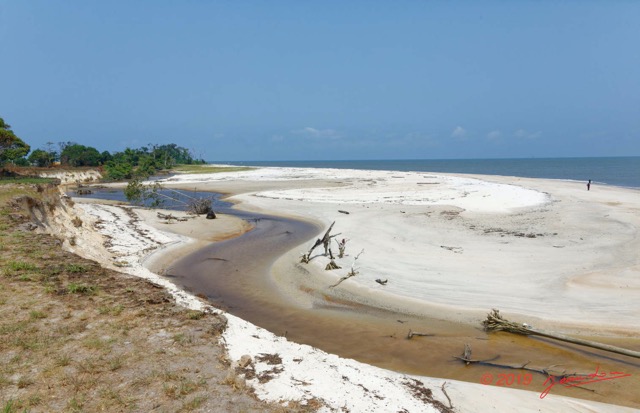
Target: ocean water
[618, 171]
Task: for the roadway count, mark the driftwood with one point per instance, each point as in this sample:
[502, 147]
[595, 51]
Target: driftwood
[381, 282]
[199, 206]
[413, 334]
[341, 247]
[495, 322]
[332, 266]
[325, 240]
[169, 217]
[352, 273]
[466, 358]
[195, 206]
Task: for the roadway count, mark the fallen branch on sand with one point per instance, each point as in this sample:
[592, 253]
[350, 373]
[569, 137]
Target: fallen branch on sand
[495, 322]
[413, 334]
[466, 358]
[352, 273]
[169, 217]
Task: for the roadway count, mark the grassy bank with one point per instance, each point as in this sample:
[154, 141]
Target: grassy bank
[75, 337]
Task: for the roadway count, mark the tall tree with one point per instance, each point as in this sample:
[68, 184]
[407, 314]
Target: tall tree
[74, 154]
[41, 158]
[11, 147]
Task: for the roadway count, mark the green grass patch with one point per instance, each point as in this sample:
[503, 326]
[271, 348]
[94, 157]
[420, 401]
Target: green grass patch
[21, 266]
[195, 314]
[74, 288]
[76, 268]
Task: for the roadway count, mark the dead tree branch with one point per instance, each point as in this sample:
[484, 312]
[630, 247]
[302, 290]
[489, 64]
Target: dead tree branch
[495, 322]
[466, 358]
[341, 247]
[320, 241]
[413, 334]
[352, 273]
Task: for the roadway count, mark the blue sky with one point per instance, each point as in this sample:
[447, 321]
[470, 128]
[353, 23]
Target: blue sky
[298, 80]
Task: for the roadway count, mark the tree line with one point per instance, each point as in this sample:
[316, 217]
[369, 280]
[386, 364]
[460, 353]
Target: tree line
[130, 163]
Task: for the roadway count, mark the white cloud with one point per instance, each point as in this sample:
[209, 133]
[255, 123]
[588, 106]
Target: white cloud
[494, 135]
[318, 133]
[524, 134]
[459, 133]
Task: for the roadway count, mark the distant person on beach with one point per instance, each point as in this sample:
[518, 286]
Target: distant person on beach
[589, 185]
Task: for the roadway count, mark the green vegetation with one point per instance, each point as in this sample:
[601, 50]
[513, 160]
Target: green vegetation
[128, 164]
[75, 288]
[12, 148]
[138, 193]
[74, 154]
[42, 158]
[148, 160]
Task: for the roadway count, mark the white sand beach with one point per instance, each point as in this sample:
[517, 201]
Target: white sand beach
[525, 246]
[547, 251]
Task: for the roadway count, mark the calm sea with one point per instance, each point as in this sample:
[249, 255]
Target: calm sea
[619, 171]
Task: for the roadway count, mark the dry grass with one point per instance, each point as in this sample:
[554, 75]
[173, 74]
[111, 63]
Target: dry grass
[75, 337]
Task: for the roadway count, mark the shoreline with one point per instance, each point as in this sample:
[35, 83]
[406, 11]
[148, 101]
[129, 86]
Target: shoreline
[502, 394]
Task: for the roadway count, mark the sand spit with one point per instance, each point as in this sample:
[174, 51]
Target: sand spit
[280, 370]
[456, 247]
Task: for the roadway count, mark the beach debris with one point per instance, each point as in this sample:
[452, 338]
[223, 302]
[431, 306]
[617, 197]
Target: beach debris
[199, 206]
[83, 191]
[446, 395]
[341, 247]
[457, 250]
[352, 273]
[413, 334]
[211, 214]
[547, 372]
[343, 212]
[466, 354]
[425, 395]
[324, 241]
[495, 322]
[381, 282]
[194, 205]
[169, 217]
[332, 266]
